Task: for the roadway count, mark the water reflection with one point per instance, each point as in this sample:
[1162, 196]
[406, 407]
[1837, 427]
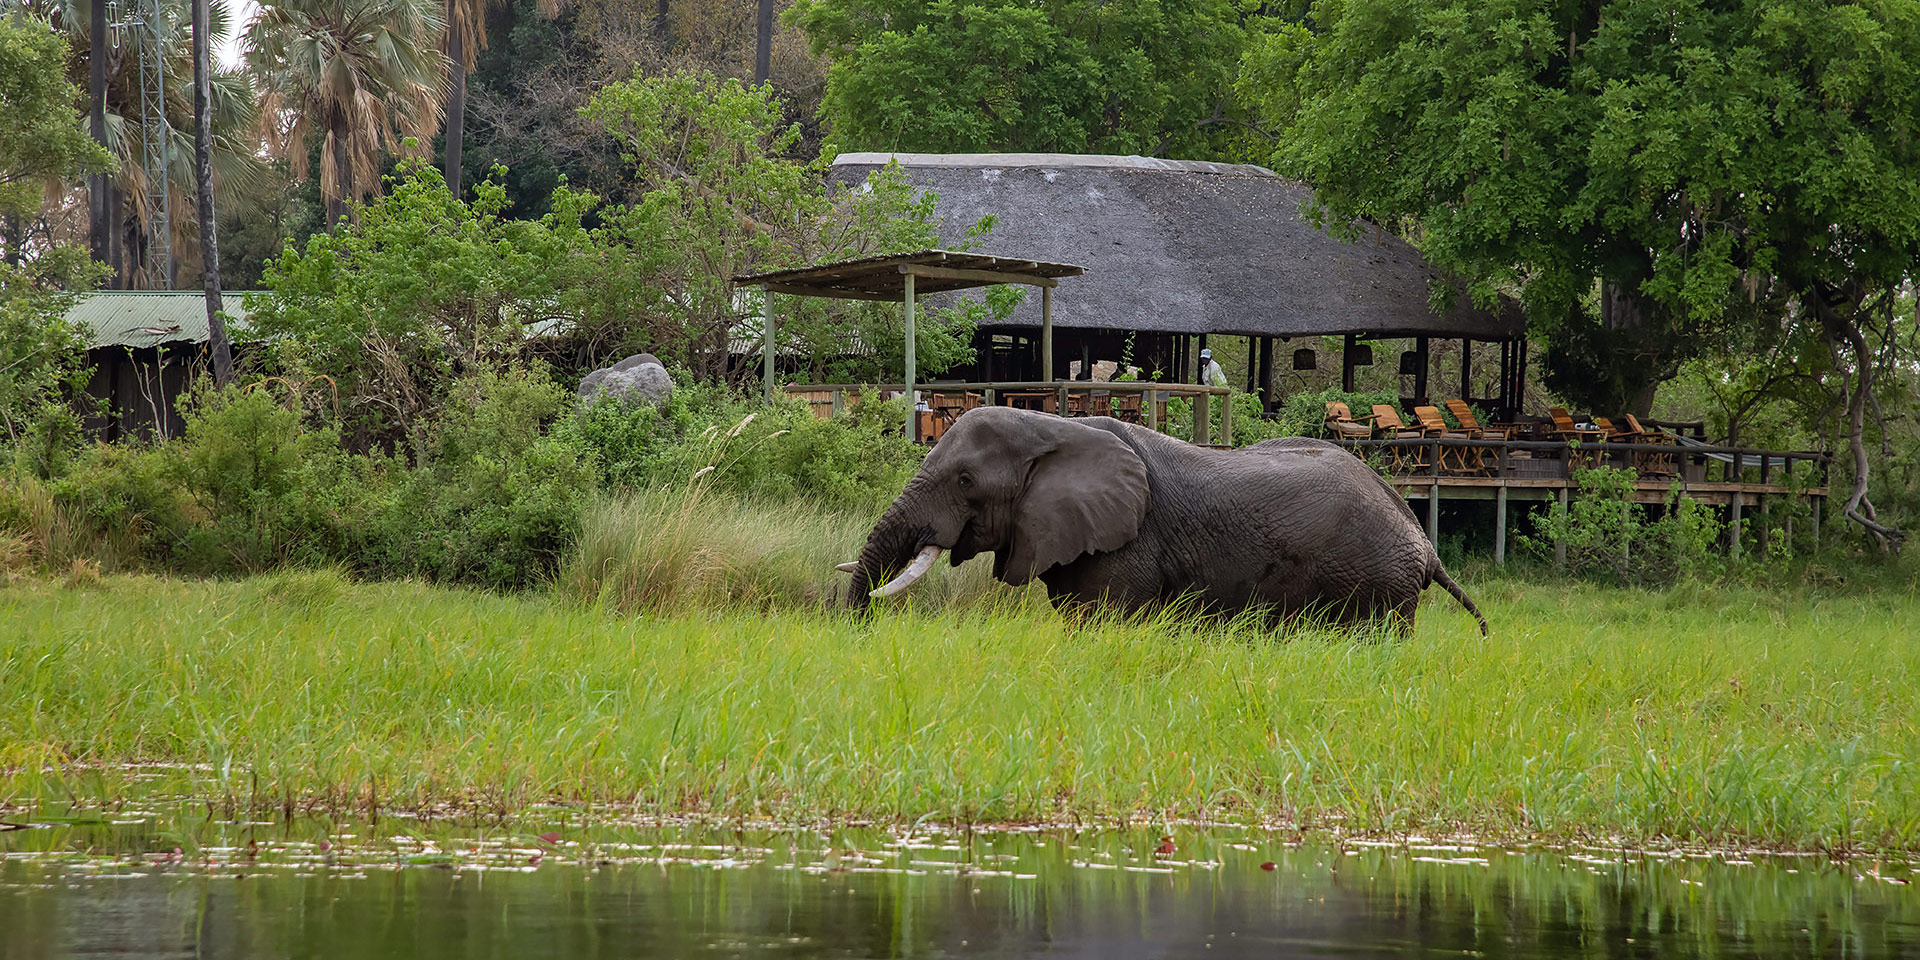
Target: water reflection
[414, 890]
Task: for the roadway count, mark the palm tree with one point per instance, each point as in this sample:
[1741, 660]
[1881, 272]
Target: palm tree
[466, 31]
[217, 340]
[366, 74]
[236, 160]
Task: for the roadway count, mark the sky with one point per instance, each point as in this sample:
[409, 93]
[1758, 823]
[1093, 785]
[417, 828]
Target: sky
[243, 14]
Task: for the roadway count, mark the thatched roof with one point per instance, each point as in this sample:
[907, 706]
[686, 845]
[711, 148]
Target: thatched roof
[1186, 247]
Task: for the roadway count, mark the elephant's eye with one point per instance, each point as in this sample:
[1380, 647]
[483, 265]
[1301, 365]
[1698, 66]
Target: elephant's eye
[965, 481]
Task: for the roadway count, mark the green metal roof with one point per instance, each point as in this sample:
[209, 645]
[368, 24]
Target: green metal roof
[146, 318]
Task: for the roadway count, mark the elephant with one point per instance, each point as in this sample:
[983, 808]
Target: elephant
[1103, 511]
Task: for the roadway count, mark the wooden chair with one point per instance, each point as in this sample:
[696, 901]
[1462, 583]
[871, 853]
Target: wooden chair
[1471, 423]
[1125, 407]
[1390, 427]
[949, 406]
[1080, 403]
[1464, 460]
[1343, 424]
[1566, 429]
[1608, 431]
[1658, 465]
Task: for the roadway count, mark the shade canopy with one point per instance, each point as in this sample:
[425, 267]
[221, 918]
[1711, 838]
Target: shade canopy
[885, 277]
[904, 277]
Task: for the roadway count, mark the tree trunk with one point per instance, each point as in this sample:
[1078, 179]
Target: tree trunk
[342, 171]
[1839, 311]
[117, 236]
[763, 43]
[456, 100]
[217, 340]
[99, 192]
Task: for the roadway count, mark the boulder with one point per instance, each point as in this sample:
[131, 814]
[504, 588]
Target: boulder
[640, 378]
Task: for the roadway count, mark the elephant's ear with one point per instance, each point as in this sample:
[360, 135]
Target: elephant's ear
[1087, 494]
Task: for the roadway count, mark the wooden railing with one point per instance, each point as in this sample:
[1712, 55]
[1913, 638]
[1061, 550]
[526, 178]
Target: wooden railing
[1695, 460]
[1144, 403]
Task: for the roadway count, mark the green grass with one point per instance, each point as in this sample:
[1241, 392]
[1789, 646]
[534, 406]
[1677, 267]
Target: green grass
[1720, 714]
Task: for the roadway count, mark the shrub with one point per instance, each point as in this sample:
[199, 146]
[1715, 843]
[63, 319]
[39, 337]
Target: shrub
[494, 501]
[248, 487]
[859, 460]
[1607, 537]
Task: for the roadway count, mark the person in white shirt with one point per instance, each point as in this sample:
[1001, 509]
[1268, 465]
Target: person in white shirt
[1210, 372]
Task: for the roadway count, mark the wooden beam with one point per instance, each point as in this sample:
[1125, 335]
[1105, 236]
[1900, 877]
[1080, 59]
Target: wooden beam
[800, 290]
[982, 276]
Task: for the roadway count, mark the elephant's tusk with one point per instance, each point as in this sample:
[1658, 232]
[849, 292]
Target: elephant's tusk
[851, 566]
[922, 562]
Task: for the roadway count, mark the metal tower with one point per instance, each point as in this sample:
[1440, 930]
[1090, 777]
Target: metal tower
[149, 25]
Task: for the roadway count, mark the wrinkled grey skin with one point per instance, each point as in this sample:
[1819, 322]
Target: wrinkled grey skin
[640, 378]
[1105, 511]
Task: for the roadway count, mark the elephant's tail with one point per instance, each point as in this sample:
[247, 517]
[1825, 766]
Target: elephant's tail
[1440, 577]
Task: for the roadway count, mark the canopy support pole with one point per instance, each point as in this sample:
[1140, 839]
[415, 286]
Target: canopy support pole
[1346, 364]
[1046, 331]
[1420, 350]
[1466, 370]
[766, 345]
[913, 409]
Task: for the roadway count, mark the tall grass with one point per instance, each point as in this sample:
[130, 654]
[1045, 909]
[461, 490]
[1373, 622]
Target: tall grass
[667, 550]
[1727, 714]
[37, 534]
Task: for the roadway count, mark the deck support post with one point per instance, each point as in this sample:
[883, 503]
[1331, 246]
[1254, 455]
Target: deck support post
[1433, 513]
[1815, 503]
[1500, 525]
[913, 409]
[1226, 419]
[1152, 410]
[1202, 419]
[1560, 545]
[766, 346]
[1733, 528]
[839, 399]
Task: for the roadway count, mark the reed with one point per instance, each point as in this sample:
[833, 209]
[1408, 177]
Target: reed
[1731, 714]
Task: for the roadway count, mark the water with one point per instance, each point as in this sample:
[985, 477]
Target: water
[78, 886]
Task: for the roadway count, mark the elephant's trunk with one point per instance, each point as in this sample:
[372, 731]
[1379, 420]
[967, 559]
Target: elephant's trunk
[891, 546]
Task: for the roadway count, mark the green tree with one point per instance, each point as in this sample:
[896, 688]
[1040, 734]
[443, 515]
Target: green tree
[1073, 76]
[1655, 178]
[718, 196]
[42, 140]
[365, 75]
[423, 289]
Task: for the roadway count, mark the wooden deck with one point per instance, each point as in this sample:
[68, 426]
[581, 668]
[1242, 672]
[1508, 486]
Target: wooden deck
[1536, 470]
